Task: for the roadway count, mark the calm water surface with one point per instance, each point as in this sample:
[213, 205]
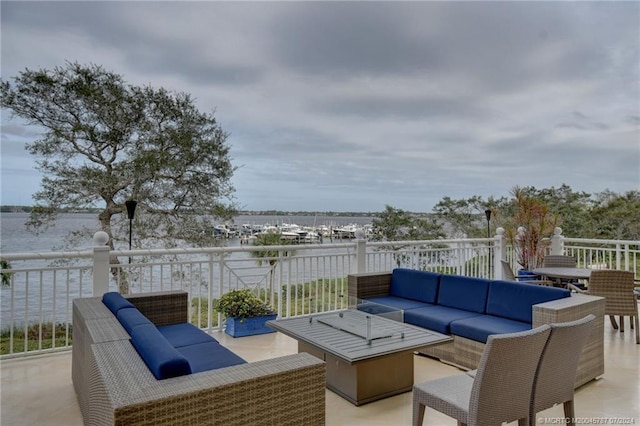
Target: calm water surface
[14, 237]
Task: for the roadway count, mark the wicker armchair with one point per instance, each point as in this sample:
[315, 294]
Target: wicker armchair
[617, 287]
[556, 376]
[501, 389]
[508, 274]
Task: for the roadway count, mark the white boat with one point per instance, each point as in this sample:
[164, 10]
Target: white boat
[347, 231]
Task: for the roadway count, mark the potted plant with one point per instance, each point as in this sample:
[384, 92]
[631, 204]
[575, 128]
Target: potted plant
[246, 313]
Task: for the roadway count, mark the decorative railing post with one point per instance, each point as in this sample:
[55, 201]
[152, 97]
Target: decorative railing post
[557, 242]
[499, 253]
[100, 263]
[361, 252]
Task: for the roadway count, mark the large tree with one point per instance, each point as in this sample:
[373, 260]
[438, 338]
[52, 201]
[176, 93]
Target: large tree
[399, 225]
[105, 141]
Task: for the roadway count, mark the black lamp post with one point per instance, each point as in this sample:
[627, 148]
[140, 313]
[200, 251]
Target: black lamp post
[131, 212]
[487, 213]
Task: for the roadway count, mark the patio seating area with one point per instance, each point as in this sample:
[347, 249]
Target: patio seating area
[39, 390]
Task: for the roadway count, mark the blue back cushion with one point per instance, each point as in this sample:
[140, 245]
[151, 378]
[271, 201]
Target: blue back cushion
[466, 293]
[398, 303]
[114, 301]
[509, 299]
[161, 358]
[414, 285]
[131, 318]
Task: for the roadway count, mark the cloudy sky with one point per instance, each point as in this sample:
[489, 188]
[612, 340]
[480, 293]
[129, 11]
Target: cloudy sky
[349, 106]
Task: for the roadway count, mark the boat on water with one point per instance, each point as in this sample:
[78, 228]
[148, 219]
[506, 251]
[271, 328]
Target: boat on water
[345, 232]
[290, 232]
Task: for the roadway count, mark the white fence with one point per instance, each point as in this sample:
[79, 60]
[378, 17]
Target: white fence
[296, 280]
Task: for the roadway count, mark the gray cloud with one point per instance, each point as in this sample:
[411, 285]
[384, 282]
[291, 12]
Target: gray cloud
[354, 105]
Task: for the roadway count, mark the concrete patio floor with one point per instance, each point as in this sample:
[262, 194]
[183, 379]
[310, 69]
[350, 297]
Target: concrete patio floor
[38, 390]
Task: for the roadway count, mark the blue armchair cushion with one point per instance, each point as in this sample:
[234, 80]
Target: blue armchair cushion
[184, 334]
[131, 318]
[479, 328]
[512, 300]
[466, 293]
[114, 301]
[398, 302]
[162, 359]
[437, 318]
[415, 285]
[209, 356]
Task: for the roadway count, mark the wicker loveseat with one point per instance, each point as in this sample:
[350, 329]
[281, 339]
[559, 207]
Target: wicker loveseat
[471, 309]
[116, 387]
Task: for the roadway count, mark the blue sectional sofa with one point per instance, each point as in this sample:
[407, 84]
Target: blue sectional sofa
[470, 309]
[137, 360]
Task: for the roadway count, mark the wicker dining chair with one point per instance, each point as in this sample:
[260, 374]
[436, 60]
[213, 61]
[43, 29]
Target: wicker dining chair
[559, 261]
[617, 288]
[556, 376]
[508, 275]
[501, 390]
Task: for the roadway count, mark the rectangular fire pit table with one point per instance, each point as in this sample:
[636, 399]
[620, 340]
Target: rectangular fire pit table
[368, 357]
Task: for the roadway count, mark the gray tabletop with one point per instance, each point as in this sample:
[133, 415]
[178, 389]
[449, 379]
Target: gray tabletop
[345, 335]
[577, 273]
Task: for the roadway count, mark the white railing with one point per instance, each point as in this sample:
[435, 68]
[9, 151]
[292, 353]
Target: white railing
[605, 254]
[296, 280]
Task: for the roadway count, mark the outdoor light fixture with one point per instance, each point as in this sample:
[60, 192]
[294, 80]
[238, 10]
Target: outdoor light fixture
[131, 212]
[487, 213]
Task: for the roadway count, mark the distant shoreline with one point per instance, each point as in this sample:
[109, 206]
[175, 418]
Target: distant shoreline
[27, 209]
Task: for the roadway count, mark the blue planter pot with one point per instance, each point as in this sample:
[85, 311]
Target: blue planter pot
[527, 275]
[249, 326]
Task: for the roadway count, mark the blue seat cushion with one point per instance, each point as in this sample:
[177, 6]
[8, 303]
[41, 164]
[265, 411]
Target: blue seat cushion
[466, 293]
[162, 359]
[184, 334]
[515, 301]
[436, 318]
[209, 356]
[398, 302]
[114, 301]
[415, 285]
[131, 318]
[479, 328]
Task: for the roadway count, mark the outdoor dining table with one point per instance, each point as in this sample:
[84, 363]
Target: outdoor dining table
[558, 274]
[566, 273]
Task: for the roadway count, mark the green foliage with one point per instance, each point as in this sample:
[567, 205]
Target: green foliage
[571, 208]
[466, 217]
[616, 216]
[606, 215]
[241, 304]
[5, 277]
[396, 225]
[270, 256]
[105, 141]
[199, 313]
[59, 335]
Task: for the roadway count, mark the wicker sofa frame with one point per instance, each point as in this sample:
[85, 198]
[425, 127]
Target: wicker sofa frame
[466, 353]
[115, 387]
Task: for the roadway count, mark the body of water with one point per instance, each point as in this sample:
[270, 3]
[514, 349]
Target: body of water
[14, 237]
